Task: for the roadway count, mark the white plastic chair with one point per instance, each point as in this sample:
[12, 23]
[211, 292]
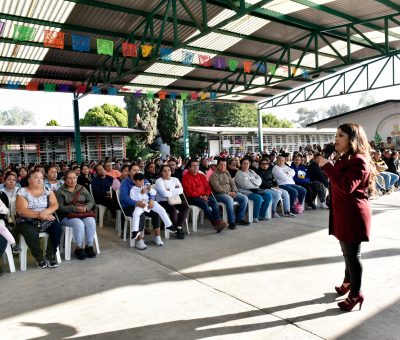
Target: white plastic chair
[128, 219]
[24, 253]
[101, 210]
[195, 213]
[8, 256]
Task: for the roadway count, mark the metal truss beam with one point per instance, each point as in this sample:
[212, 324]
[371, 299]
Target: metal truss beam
[285, 58]
[369, 76]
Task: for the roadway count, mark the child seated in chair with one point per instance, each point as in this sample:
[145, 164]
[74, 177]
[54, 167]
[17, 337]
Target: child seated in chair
[4, 211]
[144, 196]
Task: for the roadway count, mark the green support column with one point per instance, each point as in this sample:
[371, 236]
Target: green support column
[185, 131]
[260, 133]
[77, 132]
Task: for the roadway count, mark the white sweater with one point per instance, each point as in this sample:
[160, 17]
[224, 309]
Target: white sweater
[168, 188]
[283, 174]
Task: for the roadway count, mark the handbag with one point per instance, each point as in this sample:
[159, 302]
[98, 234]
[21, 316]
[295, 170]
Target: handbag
[89, 213]
[298, 208]
[174, 200]
[41, 226]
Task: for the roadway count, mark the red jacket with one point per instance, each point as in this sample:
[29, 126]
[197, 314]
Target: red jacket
[195, 185]
[350, 213]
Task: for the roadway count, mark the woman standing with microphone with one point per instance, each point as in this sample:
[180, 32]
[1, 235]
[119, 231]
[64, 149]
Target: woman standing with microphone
[350, 213]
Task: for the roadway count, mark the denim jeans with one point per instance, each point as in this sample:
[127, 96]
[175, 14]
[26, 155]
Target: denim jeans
[261, 203]
[228, 200]
[390, 179]
[210, 207]
[295, 192]
[80, 227]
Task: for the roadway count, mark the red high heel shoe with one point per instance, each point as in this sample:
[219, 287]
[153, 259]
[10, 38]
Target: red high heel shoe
[343, 289]
[351, 302]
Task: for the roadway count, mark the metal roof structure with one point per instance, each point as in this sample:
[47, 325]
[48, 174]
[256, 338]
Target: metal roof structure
[284, 43]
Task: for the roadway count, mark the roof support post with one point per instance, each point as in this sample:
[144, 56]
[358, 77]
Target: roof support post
[185, 130]
[77, 131]
[260, 132]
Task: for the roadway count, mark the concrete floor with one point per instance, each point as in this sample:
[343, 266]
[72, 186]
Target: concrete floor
[272, 280]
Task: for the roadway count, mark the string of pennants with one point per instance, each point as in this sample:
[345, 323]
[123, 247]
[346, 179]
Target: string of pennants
[81, 43]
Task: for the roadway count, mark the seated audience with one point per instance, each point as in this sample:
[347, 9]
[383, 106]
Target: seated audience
[51, 182]
[75, 210]
[168, 187]
[110, 171]
[284, 176]
[150, 172]
[101, 189]
[248, 183]
[198, 193]
[176, 171]
[270, 185]
[225, 191]
[319, 179]
[4, 231]
[380, 165]
[85, 178]
[35, 207]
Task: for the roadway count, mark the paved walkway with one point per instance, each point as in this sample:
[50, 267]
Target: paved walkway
[272, 280]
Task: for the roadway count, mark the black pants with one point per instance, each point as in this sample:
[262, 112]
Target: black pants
[353, 271]
[31, 236]
[177, 219]
[311, 194]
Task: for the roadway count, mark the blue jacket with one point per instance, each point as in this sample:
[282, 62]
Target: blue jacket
[100, 186]
[124, 192]
[300, 176]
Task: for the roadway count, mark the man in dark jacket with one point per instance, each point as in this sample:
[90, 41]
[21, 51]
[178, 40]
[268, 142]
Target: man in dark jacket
[319, 179]
[101, 189]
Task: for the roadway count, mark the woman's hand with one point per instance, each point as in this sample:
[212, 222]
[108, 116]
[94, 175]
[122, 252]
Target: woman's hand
[45, 216]
[323, 161]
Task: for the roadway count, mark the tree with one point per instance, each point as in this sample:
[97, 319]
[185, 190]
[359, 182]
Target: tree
[337, 109]
[17, 116]
[169, 121]
[271, 121]
[366, 99]
[106, 115]
[52, 122]
[223, 114]
[307, 116]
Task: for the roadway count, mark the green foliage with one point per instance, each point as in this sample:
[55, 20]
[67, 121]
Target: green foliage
[136, 148]
[223, 114]
[143, 114]
[197, 143]
[105, 115]
[17, 116]
[377, 139]
[169, 122]
[271, 121]
[52, 122]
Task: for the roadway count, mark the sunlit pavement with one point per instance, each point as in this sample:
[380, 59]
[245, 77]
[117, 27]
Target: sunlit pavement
[271, 280]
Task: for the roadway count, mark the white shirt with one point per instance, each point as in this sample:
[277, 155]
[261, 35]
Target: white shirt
[283, 174]
[168, 188]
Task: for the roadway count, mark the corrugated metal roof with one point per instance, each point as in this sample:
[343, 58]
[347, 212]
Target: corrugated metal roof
[116, 24]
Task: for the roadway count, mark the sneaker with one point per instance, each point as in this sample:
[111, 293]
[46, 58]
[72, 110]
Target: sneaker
[139, 244]
[292, 211]
[275, 214]
[242, 222]
[157, 241]
[90, 252]
[323, 205]
[172, 229]
[135, 235]
[41, 263]
[79, 253]
[220, 225]
[263, 219]
[288, 214]
[53, 263]
[179, 233]
[232, 225]
[15, 248]
[255, 220]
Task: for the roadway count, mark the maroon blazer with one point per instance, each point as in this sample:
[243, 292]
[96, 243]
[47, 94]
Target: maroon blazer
[350, 213]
